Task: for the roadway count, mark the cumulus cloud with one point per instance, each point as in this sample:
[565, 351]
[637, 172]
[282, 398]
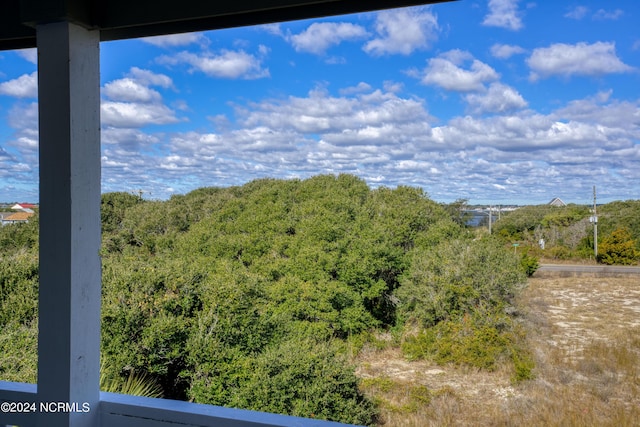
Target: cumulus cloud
[602, 15]
[131, 139]
[389, 140]
[503, 14]
[14, 171]
[320, 36]
[274, 29]
[402, 31]
[525, 136]
[129, 90]
[603, 110]
[131, 102]
[359, 88]
[360, 131]
[505, 51]
[577, 12]
[175, 40]
[30, 55]
[22, 156]
[24, 117]
[228, 64]
[499, 98]
[25, 86]
[580, 59]
[150, 78]
[128, 114]
[446, 72]
[136, 87]
[320, 113]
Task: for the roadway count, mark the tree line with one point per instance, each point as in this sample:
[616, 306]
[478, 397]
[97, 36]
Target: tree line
[567, 231]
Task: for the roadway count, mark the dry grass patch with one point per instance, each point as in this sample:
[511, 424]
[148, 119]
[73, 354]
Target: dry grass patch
[584, 333]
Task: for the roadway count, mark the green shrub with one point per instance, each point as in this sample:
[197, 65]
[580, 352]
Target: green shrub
[529, 264]
[298, 377]
[523, 365]
[560, 252]
[618, 248]
[18, 288]
[19, 352]
[21, 236]
[457, 295]
[462, 341]
[458, 277]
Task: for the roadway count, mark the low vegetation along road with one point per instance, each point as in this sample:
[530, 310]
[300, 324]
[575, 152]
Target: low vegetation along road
[596, 269]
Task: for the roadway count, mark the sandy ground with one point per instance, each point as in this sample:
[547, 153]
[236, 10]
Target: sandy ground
[585, 336]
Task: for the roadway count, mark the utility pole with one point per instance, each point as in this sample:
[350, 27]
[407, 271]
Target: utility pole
[594, 220]
[490, 219]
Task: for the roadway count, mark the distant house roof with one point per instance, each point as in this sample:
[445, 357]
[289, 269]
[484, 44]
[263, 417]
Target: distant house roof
[18, 217]
[557, 202]
[25, 207]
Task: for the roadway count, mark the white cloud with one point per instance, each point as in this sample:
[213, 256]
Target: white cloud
[132, 103]
[135, 87]
[129, 90]
[30, 55]
[150, 78]
[505, 51]
[129, 114]
[175, 40]
[274, 29]
[503, 14]
[388, 140]
[580, 59]
[320, 36]
[228, 64]
[393, 87]
[602, 15]
[603, 110]
[300, 137]
[23, 143]
[131, 139]
[359, 88]
[24, 116]
[522, 136]
[401, 31]
[25, 86]
[445, 71]
[577, 12]
[499, 98]
[321, 113]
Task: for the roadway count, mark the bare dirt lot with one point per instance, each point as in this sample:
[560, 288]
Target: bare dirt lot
[584, 333]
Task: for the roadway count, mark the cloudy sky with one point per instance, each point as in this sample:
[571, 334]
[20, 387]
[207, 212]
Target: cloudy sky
[498, 101]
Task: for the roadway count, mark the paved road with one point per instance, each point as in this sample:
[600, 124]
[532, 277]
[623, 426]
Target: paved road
[598, 269]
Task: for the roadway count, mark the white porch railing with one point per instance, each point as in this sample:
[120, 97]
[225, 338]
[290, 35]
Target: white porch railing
[119, 410]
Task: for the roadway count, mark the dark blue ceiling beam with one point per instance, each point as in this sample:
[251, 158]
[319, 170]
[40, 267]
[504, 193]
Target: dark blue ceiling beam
[123, 19]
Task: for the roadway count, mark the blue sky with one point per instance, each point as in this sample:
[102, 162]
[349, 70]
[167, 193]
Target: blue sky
[498, 101]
